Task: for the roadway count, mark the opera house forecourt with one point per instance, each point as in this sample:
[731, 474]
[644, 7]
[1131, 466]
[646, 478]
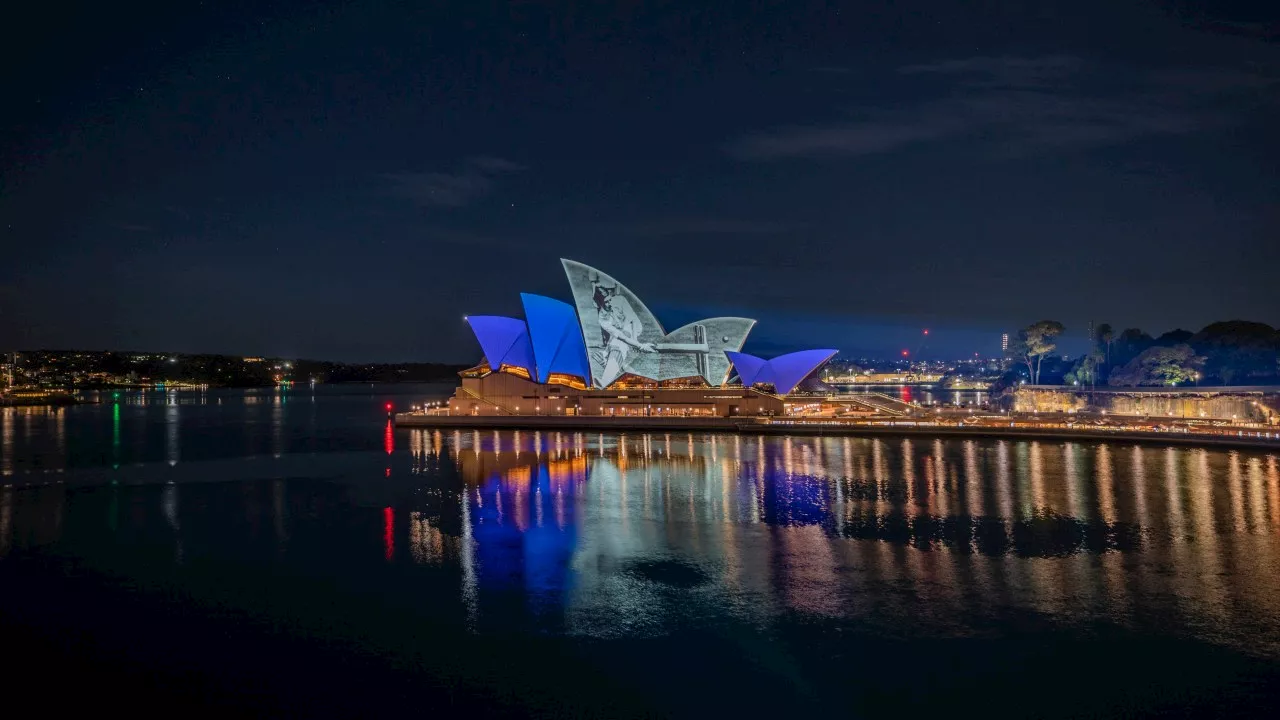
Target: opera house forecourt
[607, 355]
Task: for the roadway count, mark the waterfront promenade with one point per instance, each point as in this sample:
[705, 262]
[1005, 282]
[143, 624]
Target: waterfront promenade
[985, 427]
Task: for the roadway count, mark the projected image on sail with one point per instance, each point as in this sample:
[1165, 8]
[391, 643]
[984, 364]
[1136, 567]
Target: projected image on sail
[622, 336]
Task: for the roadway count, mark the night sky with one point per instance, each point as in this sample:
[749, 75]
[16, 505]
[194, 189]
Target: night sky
[347, 180]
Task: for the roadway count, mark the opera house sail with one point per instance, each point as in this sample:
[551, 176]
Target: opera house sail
[622, 336]
[784, 372]
[560, 355]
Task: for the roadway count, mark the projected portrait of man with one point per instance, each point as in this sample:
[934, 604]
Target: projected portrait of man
[620, 329]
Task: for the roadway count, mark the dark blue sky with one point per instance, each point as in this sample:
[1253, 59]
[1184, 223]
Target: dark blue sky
[347, 180]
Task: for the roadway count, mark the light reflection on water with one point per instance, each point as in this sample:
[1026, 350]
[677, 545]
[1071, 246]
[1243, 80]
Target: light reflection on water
[947, 535]
[641, 534]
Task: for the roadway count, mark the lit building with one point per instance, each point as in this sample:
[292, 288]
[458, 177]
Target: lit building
[606, 354]
[7, 369]
[1004, 343]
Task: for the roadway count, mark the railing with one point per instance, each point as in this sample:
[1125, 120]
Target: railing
[474, 396]
[873, 407]
[890, 405]
[763, 393]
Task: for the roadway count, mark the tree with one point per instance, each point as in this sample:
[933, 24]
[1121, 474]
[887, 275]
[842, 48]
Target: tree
[1017, 350]
[1034, 342]
[1174, 337]
[1128, 345]
[1104, 336]
[1237, 350]
[1085, 370]
[1160, 366]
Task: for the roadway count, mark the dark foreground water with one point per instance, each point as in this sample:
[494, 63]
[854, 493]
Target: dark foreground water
[280, 554]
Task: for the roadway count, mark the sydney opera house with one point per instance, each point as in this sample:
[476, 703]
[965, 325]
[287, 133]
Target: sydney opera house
[606, 354]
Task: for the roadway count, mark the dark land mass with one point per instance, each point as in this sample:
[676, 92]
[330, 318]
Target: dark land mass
[84, 369]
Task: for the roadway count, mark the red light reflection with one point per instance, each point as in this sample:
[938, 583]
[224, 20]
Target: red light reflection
[389, 531]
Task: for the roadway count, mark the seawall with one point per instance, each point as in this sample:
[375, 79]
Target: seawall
[1250, 439]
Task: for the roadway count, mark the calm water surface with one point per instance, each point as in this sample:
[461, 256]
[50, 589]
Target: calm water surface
[275, 552]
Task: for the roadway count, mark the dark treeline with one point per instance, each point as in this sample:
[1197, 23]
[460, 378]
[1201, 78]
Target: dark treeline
[332, 372]
[1233, 352]
[79, 368]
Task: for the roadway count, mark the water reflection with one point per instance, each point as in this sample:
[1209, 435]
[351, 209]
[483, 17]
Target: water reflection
[115, 435]
[133, 427]
[277, 422]
[640, 534]
[6, 440]
[171, 419]
[828, 525]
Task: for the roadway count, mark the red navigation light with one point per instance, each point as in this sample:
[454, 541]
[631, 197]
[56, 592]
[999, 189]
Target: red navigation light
[388, 406]
[904, 353]
[926, 331]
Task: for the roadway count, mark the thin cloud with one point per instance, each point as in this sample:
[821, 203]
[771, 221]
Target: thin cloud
[439, 235]
[474, 180]
[1003, 71]
[856, 138]
[1020, 106]
[688, 226]
[1267, 32]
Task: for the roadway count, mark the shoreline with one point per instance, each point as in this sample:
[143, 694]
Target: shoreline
[68, 398]
[1242, 439]
[60, 401]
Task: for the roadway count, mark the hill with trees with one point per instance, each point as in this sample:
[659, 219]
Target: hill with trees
[1232, 352]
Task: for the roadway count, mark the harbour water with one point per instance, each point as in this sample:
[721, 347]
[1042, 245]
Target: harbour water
[269, 551]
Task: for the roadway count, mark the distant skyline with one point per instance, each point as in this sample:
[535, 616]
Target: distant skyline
[345, 181]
